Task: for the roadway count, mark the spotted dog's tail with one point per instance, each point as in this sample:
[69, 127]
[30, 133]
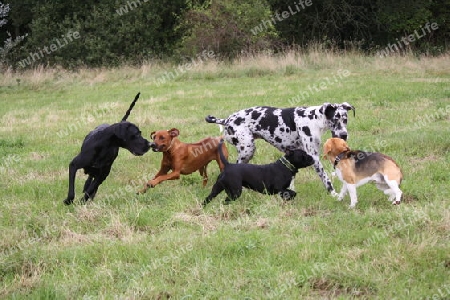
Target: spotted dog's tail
[222, 156]
[131, 107]
[214, 120]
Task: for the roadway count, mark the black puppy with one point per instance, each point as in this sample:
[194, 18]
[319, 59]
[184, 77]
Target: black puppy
[99, 150]
[267, 179]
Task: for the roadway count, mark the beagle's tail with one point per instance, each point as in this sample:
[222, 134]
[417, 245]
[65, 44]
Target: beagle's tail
[131, 107]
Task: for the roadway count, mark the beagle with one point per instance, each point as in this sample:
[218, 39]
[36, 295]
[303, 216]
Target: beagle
[355, 168]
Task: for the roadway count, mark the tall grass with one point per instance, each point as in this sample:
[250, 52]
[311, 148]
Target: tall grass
[164, 245]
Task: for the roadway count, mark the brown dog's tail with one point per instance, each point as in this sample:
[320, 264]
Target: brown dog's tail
[222, 156]
[131, 107]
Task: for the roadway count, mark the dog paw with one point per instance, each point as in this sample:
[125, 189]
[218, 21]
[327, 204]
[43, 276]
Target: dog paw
[334, 194]
[287, 195]
[68, 201]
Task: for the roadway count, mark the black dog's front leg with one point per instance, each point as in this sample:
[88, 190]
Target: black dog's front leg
[91, 190]
[287, 194]
[72, 172]
[87, 183]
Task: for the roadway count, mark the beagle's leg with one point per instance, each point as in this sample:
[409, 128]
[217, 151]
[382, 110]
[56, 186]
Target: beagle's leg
[395, 191]
[352, 191]
[343, 192]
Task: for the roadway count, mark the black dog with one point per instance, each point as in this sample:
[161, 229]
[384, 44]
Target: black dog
[267, 179]
[99, 150]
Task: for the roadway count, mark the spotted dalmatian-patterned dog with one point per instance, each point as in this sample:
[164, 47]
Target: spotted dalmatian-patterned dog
[286, 129]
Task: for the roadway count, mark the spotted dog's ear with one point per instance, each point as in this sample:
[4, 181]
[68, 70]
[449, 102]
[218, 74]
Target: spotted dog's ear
[328, 109]
[348, 107]
[174, 132]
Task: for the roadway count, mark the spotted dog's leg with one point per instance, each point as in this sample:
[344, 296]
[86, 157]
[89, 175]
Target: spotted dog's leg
[245, 145]
[323, 175]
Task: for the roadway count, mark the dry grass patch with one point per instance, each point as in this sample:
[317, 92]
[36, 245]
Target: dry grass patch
[206, 222]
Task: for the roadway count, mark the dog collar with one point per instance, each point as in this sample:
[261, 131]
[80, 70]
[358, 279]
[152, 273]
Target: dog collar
[338, 158]
[170, 146]
[288, 164]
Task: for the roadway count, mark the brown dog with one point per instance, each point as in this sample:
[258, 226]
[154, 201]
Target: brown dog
[355, 168]
[183, 158]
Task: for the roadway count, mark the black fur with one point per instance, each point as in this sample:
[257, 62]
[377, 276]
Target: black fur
[99, 150]
[267, 179]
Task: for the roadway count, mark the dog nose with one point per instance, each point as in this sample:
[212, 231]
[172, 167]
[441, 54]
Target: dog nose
[344, 137]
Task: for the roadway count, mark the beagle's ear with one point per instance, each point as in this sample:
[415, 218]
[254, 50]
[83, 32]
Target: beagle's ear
[326, 150]
[174, 132]
[152, 135]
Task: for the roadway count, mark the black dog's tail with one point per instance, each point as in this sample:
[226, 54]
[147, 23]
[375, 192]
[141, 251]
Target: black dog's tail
[131, 107]
[222, 157]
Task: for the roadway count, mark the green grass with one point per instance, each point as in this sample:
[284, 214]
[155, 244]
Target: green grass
[164, 245]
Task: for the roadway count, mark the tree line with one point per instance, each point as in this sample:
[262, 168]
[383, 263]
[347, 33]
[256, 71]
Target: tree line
[97, 33]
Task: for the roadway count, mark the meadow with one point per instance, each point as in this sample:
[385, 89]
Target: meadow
[163, 244]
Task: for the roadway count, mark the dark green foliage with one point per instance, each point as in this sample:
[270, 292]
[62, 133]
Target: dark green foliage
[225, 27]
[113, 32]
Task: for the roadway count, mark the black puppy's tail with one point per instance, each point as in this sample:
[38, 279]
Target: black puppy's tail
[131, 107]
[222, 157]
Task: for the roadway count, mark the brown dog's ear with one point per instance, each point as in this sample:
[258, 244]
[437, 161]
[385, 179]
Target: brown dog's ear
[152, 135]
[174, 132]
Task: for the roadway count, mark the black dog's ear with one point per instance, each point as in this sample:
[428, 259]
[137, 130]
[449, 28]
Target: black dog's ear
[121, 131]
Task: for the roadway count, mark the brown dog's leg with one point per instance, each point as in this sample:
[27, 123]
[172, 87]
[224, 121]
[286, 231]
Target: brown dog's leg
[204, 174]
[162, 171]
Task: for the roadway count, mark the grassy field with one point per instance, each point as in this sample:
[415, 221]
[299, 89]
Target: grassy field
[164, 245]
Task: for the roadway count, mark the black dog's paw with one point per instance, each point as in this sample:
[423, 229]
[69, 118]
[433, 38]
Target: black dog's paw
[288, 195]
[68, 201]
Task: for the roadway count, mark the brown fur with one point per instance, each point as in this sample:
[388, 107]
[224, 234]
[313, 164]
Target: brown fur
[348, 165]
[358, 167]
[183, 158]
